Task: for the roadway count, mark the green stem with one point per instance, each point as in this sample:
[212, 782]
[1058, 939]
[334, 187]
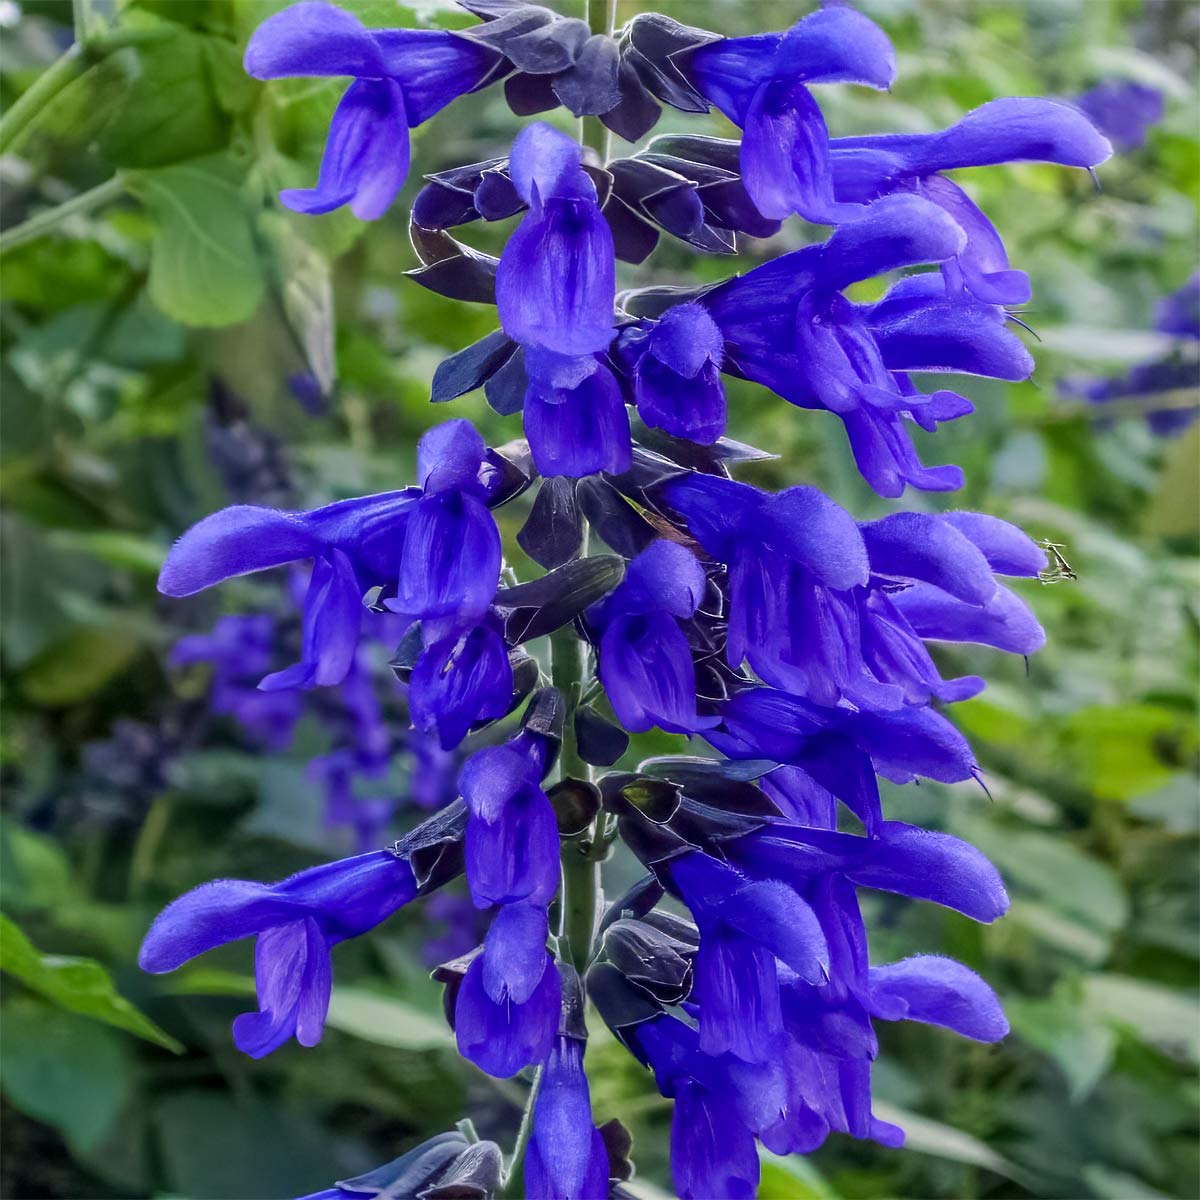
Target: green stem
[1172, 400]
[38, 94]
[81, 14]
[601, 16]
[514, 1179]
[62, 72]
[145, 849]
[581, 896]
[51, 218]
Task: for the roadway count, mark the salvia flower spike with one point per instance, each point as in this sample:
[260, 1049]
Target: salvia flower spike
[788, 640]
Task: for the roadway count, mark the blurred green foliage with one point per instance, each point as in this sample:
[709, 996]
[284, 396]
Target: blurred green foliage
[172, 267]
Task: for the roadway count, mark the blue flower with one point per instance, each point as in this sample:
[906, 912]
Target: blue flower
[842, 749]
[791, 557]
[787, 326]
[507, 1011]
[355, 545]
[675, 367]
[761, 84]
[437, 545]
[575, 415]
[512, 835]
[450, 564]
[1178, 315]
[1123, 111]
[401, 78]
[240, 649]
[1008, 130]
[745, 925]
[645, 660]
[296, 922]
[712, 1150]
[556, 281]
[566, 1158]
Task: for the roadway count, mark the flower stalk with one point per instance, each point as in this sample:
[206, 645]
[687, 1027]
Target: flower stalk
[51, 218]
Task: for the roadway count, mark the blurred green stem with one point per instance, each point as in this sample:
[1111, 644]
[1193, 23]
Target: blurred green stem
[39, 93]
[514, 1177]
[62, 72]
[51, 218]
[81, 14]
[145, 849]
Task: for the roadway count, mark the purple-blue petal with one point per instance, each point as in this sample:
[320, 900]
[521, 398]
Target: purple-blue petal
[514, 857]
[433, 67]
[932, 866]
[921, 546]
[449, 457]
[459, 680]
[564, 1139]
[236, 541]
[937, 991]
[1008, 550]
[450, 565]
[647, 672]
[556, 282]
[312, 39]
[514, 953]
[581, 430]
[366, 155]
[502, 1038]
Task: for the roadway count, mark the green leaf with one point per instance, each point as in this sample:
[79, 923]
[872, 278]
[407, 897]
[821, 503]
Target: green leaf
[1162, 1016]
[171, 111]
[1117, 748]
[306, 292]
[76, 984]
[943, 1141]
[1053, 870]
[1175, 804]
[1064, 1030]
[386, 1021]
[370, 1015]
[1092, 345]
[214, 1146]
[791, 1178]
[78, 665]
[209, 981]
[1060, 930]
[77, 112]
[75, 1075]
[204, 265]
[115, 547]
[34, 872]
[1110, 1184]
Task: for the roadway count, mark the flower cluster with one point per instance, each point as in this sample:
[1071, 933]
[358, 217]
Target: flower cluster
[792, 640]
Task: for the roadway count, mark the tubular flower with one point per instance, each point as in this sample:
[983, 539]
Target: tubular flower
[645, 661]
[556, 280]
[354, 545]
[402, 77]
[1014, 129]
[761, 84]
[566, 1159]
[675, 365]
[296, 923]
[787, 326]
[508, 1005]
